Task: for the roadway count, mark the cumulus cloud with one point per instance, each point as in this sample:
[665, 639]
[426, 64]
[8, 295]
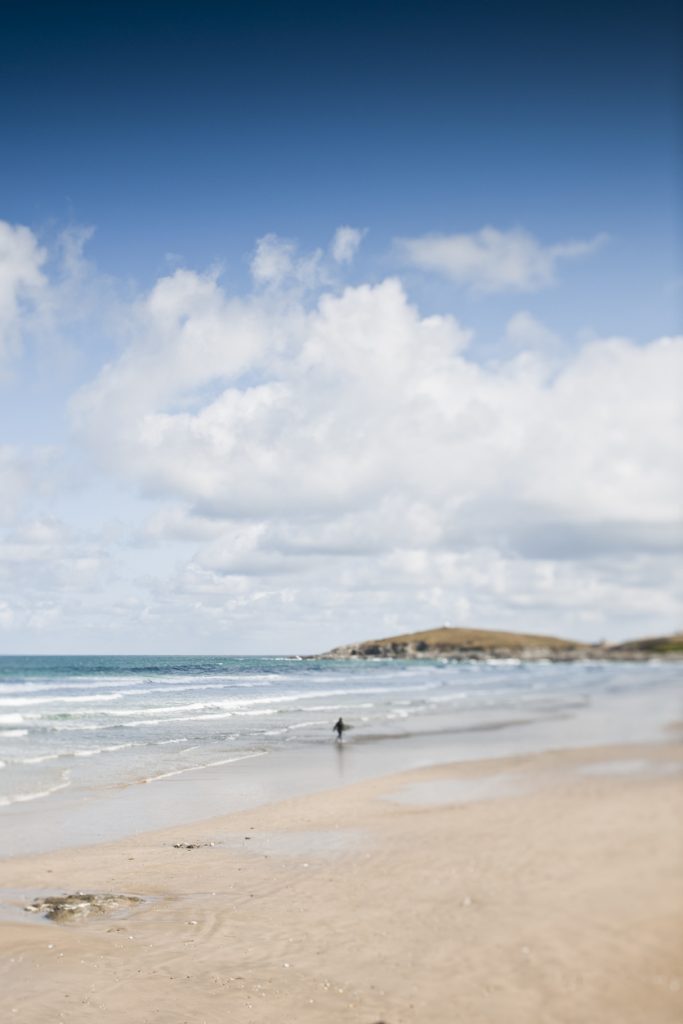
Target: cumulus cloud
[524, 332]
[21, 281]
[345, 243]
[490, 260]
[334, 462]
[188, 335]
[273, 259]
[309, 430]
[276, 261]
[53, 301]
[330, 599]
[359, 424]
[49, 574]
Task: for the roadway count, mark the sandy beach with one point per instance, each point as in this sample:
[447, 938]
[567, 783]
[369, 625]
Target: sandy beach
[539, 888]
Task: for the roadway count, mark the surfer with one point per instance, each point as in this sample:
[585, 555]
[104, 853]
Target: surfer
[339, 727]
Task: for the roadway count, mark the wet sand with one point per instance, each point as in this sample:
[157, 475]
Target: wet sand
[539, 888]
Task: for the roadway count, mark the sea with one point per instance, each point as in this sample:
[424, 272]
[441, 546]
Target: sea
[77, 725]
[80, 721]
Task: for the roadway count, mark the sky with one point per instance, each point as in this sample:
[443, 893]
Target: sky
[323, 324]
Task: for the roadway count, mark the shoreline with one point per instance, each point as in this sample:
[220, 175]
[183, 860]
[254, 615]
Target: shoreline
[251, 779]
[354, 652]
[538, 886]
[106, 750]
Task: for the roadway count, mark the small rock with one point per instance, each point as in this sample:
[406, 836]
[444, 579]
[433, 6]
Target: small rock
[80, 904]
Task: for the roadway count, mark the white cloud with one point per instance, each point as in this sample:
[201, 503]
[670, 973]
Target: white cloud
[360, 424]
[27, 476]
[189, 336]
[275, 262]
[273, 259]
[525, 333]
[336, 464]
[333, 599]
[490, 260]
[309, 432]
[49, 575]
[21, 280]
[345, 243]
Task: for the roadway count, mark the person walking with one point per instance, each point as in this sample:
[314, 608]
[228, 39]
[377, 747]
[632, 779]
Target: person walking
[339, 727]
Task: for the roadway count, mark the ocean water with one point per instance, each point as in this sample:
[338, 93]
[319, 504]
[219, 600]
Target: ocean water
[79, 723]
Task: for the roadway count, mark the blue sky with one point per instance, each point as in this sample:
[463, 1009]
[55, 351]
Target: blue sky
[150, 141]
[195, 128]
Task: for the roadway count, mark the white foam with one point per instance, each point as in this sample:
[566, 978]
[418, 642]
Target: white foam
[15, 702]
[38, 759]
[172, 682]
[237, 704]
[105, 750]
[211, 764]
[89, 752]
[102, 682]
[338, 707]
[70, 727]
[255, 711]
[175, 721]
[22, 798]
[13, 732]
[165, 709]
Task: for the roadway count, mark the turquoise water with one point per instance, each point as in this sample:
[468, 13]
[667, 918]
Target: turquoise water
[83, 722]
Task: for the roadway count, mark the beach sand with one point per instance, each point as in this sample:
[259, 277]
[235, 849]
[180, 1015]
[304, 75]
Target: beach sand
[542, 888]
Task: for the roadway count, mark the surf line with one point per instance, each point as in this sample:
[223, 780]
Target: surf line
[198, 767]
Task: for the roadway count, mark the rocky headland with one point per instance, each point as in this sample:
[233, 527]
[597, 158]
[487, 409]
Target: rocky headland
[484, 644]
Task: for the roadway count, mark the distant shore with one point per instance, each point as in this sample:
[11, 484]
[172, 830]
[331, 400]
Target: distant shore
[483, 644]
